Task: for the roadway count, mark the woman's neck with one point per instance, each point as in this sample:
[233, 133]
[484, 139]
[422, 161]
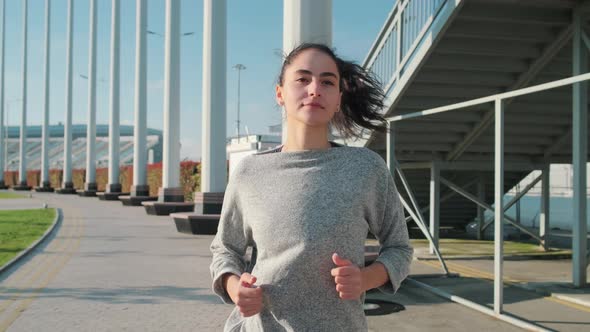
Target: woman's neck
[306, 138]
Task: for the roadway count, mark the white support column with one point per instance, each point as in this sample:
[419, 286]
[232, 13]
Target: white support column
[90, 185]
[305, 21]
[67, 184]
[499, 208]
[545, 204]
[434, 206]
[140, 187]
[481, 195]
[114, 186]
[45, 184]
[3, 130]
[170, 190]
[23, 125]
[213, 160]
[580, 153]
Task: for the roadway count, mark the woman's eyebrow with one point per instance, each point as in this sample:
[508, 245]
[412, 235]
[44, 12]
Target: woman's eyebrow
[308, 72]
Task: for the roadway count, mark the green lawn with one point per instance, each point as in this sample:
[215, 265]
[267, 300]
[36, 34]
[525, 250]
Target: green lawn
[20, 228]
[10, 195]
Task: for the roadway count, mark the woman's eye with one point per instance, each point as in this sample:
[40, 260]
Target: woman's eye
[328, 83]
[302, 80]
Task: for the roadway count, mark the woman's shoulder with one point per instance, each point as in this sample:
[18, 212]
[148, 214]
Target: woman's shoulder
[367, 157]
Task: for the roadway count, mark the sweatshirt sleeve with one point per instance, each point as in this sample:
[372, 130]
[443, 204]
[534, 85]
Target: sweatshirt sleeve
[389, 227]
[230, 242]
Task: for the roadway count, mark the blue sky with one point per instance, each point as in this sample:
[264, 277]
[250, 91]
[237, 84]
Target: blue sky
[254, 32]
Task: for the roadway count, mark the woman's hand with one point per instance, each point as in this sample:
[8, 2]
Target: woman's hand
[348, 278]
[246, 296]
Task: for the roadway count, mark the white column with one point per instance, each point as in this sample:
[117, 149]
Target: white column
[434, 206]
[171, 151]
[44, 146]
[499, 208]
[67, 161]
[545, 204]
[3, 130]
[91, 128]
[139, 130]
[213, 156]
[305, 21]
[580, 152]
[114, 149]
[23, 125]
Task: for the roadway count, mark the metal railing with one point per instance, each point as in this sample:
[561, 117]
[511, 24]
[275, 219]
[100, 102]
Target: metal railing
[499, 206]
[402, 32]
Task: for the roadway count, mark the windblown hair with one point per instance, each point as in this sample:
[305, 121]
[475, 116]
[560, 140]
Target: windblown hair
[362, 95]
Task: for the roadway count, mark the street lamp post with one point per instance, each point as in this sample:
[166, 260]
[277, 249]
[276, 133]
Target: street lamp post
[239, 67]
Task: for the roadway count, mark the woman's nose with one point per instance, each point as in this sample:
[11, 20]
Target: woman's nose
[314, 89]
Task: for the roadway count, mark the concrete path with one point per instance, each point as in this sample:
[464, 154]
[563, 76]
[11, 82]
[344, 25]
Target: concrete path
[110, 267]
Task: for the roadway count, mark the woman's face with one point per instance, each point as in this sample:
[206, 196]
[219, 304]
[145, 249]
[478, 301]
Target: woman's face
[310, 92]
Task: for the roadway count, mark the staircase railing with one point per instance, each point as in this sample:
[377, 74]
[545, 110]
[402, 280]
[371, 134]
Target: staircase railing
[401, 34]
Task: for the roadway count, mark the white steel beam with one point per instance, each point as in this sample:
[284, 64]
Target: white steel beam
[515, 199]
[488, 99]
[499, 210]
[487, 206]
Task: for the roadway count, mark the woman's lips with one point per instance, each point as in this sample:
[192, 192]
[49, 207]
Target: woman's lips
[314, 105]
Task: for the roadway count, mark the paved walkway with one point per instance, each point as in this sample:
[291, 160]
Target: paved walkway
[110, 267]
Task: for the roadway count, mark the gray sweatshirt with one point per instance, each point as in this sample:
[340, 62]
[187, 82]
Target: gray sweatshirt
[298, 208]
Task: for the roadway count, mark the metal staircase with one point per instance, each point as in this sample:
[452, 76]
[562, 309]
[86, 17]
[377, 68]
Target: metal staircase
[440, 52]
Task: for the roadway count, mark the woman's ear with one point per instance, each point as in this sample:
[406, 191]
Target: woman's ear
[279, 95]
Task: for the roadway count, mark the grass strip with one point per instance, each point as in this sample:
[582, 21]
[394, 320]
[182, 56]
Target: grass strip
[21, 228]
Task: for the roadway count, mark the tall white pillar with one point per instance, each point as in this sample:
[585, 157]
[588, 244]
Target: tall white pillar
[67, 184]
[213, 149]
[90, 185]
[45, 185]
[305, 21]
[434, 206]
[114, 149]
[213, 160]
[140, 187]
[23, 125]
[3, 130]
[170, 190]
[580, 153]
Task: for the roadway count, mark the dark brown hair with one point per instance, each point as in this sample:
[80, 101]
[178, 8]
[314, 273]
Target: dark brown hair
[362, 95]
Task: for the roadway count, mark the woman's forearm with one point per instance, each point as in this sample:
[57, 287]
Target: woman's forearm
[373, 276]
[230, 282]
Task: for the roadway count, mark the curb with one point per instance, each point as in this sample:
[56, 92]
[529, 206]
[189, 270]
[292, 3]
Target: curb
[24, 253]
[491, 257]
